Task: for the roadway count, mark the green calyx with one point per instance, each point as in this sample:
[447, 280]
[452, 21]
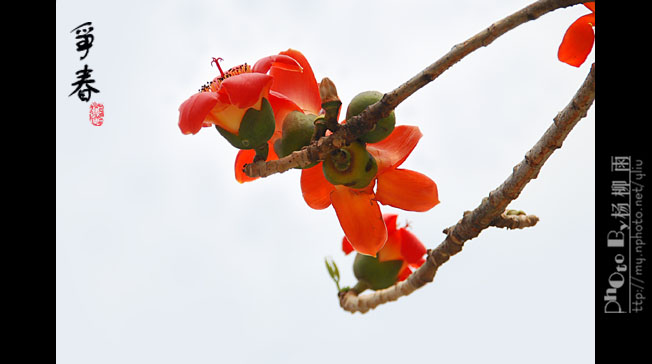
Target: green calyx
[352, 166]
[383, 127]
[375, 275]
[297, 132]
[256, 128]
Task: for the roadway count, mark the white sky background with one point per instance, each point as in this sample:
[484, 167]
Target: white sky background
[162, 257]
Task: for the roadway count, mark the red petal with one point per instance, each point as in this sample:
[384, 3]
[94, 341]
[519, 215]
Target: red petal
[578, 41]
[300, 87]
[346, 246]
[360, 218]
[194, 110]
[390, 221]
[591, 7]
[393, 150]
[407, 190]
[279, 61]
[315, 188]
[244, 156]
[246, 89]
[411, 248]
[405, 272]
[281, 106]
[392, 248]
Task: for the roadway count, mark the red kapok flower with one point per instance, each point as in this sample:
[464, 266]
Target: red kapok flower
[401, 245]
[357, 209]
[225, 100]
[578, 40]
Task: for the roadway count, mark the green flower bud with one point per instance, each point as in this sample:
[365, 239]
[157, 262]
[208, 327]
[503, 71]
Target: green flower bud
[383, 127]
[297, 132]
[351, 166]
[374, 274]
[256, 128]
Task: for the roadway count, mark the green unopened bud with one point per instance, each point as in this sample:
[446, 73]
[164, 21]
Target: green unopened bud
[351, 166]
[297, 132]
[256, 128]
[375, 274]
[383, 127]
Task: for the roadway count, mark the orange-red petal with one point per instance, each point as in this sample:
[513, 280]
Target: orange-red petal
[346, 246]
[578, 41]
[300, 87]
[278, 61]
[390, 221]
[315, 188]
[404, 273]
[244, 156]
[407, 190]
[591, 7]
[392, 248]
[245, 90]
[194, 110]
[360, 218]
[412, 249]
[393, 150]
[282, 106]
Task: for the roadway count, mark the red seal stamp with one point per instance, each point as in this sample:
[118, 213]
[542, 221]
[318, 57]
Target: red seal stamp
[96, 114]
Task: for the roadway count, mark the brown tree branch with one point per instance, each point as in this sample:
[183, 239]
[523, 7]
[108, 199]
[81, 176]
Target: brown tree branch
[520, 221]
[490, 209]
[365, 121]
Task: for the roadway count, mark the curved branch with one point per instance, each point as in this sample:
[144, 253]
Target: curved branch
[491, 207]
[365, 121]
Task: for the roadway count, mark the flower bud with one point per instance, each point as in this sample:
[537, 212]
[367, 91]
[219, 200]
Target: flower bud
[383, 127]
[375, 274]
[351, 166]
[297, 133]
[327, 91]
[256, 128]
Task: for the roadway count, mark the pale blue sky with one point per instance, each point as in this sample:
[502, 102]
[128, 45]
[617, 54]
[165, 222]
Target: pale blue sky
[163, 258]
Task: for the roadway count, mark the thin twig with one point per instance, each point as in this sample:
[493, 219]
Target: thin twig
[491, 207]
[365, 121]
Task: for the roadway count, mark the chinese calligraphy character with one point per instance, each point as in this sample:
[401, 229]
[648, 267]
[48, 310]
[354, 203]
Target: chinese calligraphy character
[85, 38]
[84, 80]
[620, 164]
[620, 210]
[620, 188]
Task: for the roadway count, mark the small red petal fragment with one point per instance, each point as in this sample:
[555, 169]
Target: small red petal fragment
[346, 246]
[244, 156]
[578, 41]
[405, 272]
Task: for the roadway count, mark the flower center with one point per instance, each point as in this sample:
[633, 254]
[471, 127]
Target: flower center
[214, 86]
